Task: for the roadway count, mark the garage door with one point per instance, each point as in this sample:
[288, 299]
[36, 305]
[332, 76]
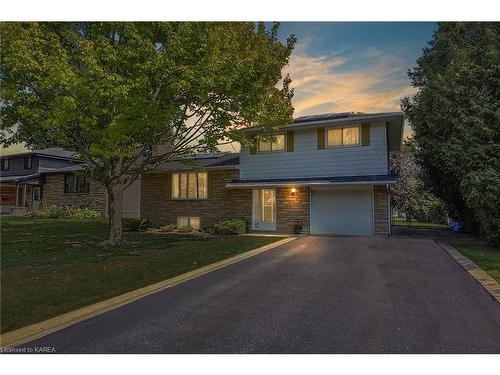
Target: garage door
[342, 210]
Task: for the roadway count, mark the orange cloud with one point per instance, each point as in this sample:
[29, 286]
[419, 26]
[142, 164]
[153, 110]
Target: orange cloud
[325, 85]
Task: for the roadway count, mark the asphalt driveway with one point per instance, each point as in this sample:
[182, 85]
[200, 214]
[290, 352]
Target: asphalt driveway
[313, 295]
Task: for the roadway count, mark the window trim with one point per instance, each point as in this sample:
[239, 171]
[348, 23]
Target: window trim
[327, 145]
[8, 164]
[30, 158]
[271, 150]
[187, 198]
[75, 184]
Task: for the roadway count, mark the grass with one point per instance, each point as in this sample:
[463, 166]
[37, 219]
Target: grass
[399, 222]
[488, 258]
[49, 266]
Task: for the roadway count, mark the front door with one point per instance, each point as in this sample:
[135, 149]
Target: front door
[264, 209]
[37, 197]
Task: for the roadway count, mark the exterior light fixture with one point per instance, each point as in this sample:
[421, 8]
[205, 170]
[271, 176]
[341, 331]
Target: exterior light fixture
[293, 191]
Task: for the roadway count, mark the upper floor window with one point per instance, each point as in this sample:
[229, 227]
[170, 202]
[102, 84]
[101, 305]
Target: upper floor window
[28, 162]
[278, 143]
[76, 184]
[348, 136]
[5, 164]
[191, 185]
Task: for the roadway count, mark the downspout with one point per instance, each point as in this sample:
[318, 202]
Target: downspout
[389, 208]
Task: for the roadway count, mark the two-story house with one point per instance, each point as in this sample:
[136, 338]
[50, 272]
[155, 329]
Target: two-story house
[52, 177]
[328, 173]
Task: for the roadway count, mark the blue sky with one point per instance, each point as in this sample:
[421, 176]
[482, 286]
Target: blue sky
[353, 66]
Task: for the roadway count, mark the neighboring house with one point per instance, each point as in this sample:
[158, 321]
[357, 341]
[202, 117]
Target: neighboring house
[329, 173]
[46, 178]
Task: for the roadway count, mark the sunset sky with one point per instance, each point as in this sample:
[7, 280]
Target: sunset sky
[350, 66]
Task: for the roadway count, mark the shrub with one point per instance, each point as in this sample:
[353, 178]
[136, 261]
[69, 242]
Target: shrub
[185, 229]
[135, 225]
[167, 228]
[231, 226]
[297, 227]
[53, 212]
[83, 214]
[77, 214]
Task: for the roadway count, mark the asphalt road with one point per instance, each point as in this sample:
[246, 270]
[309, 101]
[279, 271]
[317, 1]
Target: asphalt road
[313, 295]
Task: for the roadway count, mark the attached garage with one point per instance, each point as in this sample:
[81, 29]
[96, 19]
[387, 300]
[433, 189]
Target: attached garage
[342, 210]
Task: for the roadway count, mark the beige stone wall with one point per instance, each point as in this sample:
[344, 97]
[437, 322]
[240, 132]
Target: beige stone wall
[54, 195]
[222, 203]
[292, 208]
[381, 220]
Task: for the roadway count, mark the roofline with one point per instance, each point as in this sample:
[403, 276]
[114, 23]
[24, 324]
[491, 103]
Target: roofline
[220, 167]
[20, 155]
[298, 182]
[347, 120]
[302, 183]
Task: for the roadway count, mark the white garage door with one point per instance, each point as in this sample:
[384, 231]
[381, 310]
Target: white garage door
[342, 210]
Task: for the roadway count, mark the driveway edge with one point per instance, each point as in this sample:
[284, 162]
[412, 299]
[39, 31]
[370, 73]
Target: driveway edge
[486, 281]
[34, 331]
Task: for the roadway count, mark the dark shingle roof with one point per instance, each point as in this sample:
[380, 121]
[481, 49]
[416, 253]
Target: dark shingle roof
[209, 160]
[59, 153]
[327, 116]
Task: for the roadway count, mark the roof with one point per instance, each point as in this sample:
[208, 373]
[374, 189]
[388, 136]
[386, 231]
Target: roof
[19, 178]
[208, 160]
[67, 169]
[58, 153]
[327, 116]
[314, 181]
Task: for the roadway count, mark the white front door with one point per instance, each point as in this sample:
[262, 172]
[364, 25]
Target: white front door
[264, 209]
[37, 197]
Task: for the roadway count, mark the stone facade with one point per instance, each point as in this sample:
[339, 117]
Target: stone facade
[222, 203]
[53, 195]
[380, 215]
[292, 208]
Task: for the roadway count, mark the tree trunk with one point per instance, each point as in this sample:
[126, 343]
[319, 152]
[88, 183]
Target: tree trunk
[115, 209]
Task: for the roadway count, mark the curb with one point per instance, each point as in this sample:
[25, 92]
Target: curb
[486, 281]
[37, 330]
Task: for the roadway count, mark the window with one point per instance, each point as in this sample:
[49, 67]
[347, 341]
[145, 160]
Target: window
[5, 164]
[184, 221]
[76, 184]
[343, 136]
[191, 185]
[28, 162]
[264, 204]
[278, 143]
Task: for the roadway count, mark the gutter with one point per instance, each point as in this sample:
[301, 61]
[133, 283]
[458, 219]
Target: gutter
[302, 183]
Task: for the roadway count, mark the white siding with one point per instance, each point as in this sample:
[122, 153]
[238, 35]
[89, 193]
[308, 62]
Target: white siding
[307, 161]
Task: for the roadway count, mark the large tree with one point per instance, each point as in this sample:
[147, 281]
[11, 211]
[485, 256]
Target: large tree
[112, 91]
[456, 120]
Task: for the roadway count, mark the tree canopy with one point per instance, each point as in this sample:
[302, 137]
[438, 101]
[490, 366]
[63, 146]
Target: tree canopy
[455, 117]
[112, 91]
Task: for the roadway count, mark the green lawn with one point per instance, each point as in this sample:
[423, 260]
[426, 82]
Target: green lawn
[51, 266]
[488, 258]
[399, 222]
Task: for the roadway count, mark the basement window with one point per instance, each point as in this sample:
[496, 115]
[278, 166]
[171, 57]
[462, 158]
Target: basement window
[184, 221]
